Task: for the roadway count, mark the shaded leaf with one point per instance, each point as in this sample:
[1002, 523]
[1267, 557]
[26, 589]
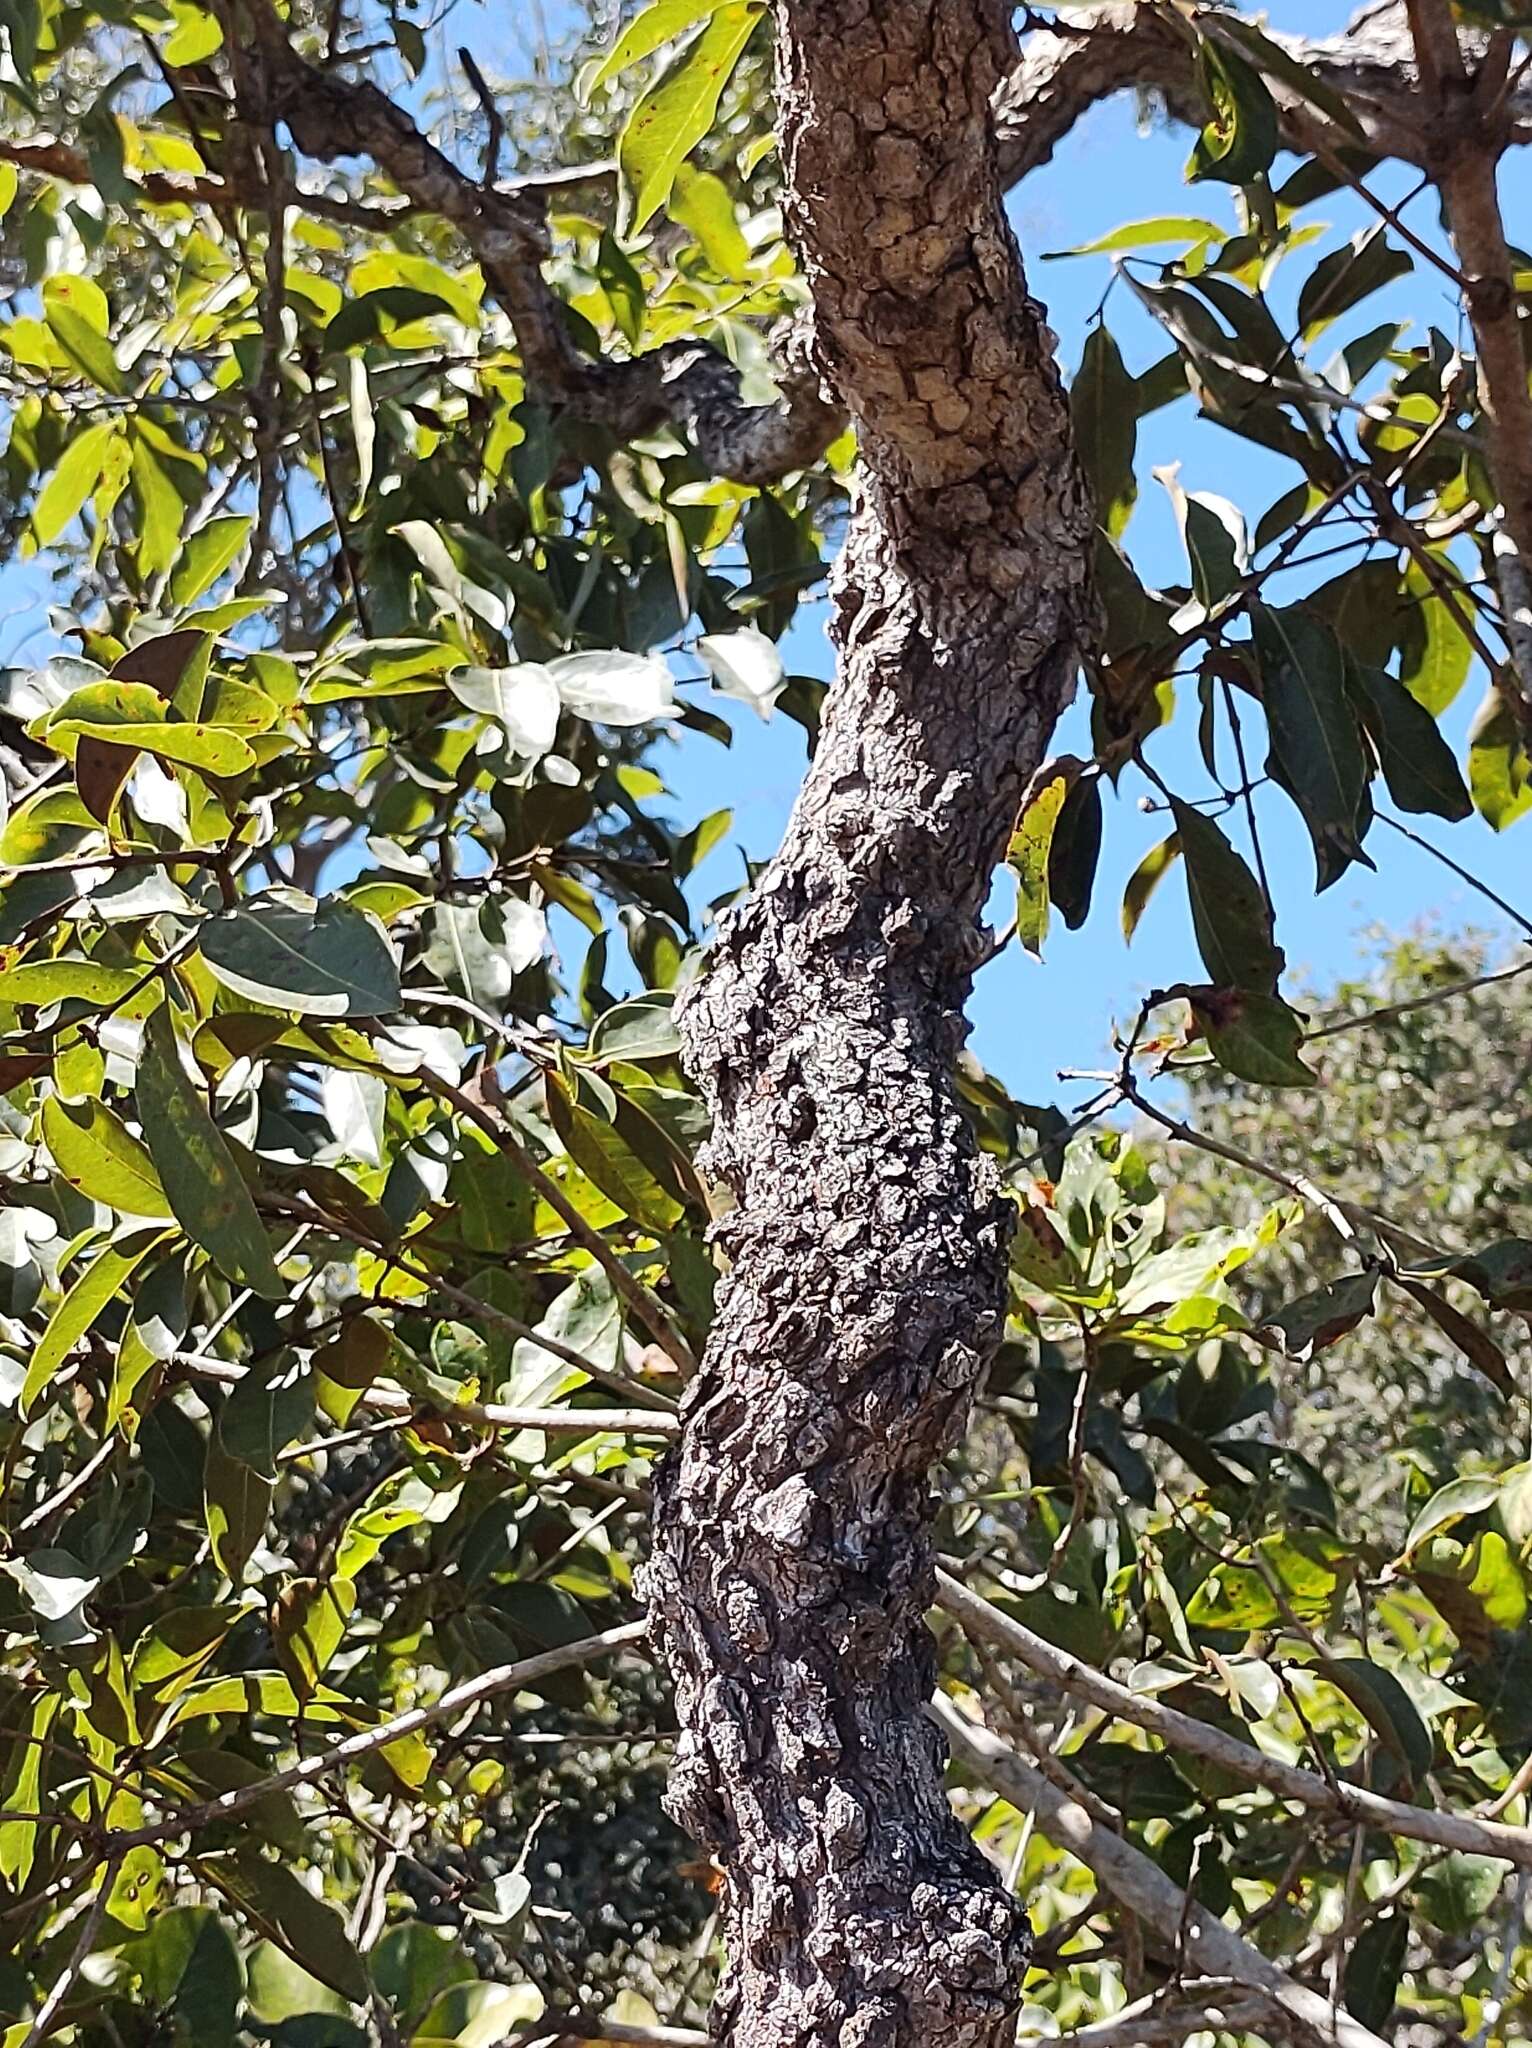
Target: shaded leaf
[195, 1166]
[324, 960]
[1229, 915]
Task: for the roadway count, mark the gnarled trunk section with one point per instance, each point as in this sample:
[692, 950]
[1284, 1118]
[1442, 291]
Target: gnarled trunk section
[792, 1562]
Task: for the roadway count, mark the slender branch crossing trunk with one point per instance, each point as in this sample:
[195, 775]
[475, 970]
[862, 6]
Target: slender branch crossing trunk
[792, 1562]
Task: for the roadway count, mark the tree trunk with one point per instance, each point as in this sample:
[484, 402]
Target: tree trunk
[792, 1562]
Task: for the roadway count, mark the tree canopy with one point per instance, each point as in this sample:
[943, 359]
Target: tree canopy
[413, 452]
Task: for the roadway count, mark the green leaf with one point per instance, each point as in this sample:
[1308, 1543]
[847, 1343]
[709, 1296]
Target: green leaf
[1074, 850]
[96, 1153]
[1388, 1709]
[100, 1284]
[132, 714]
[701, 202]
[207, 553]
[160, 509]
[236, 1499]
[38, 982]
[1499, 768]
[1230, 917]
[1455, 1894]
[1316, 748]
[1435, 653]
[679, 109]
[1299, 78]
[308, 1625]
[642, 1028]
[78, 472]
[1185, 229]
[1028, 855]
[1253, 1035]
[288, 1913]
[72, 316]
[196, 1168]
[1240, 140]
[1145, 879]
[1213, 532]
[1450, 1504]
[331, 960]
[189, 1967]
[1416, 761]
[1346, 276]
[1102, 405]
[1374, 1968]
[266, 1411]
[602, 1153]
[648, 31]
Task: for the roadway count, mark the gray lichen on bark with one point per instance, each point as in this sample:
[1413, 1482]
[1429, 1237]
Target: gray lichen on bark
[792, 1562]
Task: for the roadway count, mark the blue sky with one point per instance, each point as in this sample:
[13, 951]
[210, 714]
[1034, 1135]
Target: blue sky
[1030, 1018]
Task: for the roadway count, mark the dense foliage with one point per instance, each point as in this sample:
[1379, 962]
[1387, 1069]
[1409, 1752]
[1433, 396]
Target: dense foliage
[354, 1244]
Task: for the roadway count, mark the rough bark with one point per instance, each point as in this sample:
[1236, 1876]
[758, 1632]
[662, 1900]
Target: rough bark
[1469, 130]
[792, 1560]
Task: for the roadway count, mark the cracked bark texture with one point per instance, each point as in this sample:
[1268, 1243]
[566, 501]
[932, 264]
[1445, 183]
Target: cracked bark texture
[792, 1561]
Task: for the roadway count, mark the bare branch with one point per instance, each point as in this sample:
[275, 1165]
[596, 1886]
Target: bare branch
[1200, 1941]
[458, 1699]
[390, 1401]
[79, 1955]
[1352, 1804]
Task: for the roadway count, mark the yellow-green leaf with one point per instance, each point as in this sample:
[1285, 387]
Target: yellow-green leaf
[97, 1153]
[101, 1282]
[678, 110]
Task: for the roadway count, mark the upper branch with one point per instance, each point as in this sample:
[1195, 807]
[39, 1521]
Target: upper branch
[1123, 45]
[687, 386]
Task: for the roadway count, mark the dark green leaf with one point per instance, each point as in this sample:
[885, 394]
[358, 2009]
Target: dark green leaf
[1240, 140]
[324, 960]
[1387, 1707]
[1316, 747]
[1229, 914]
[1416, 761]
[1074, 850]
[1342, 279]
[1374, 1968]
[1102, 404]
[235, 1501]
[1322, 1318]
[195, 1166]
[1253, 1035]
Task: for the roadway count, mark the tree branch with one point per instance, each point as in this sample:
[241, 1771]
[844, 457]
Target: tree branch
[1124, 46]
[1467, 133]
[1353, 1804]
[686, 386]
[1201, 1943]
[501, 1678]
